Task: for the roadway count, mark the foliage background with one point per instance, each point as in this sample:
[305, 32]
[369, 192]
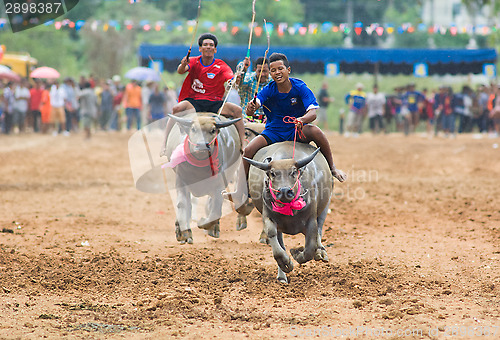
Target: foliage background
[111, 52]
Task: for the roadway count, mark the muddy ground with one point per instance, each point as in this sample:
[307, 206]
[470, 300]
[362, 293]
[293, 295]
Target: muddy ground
[413, 239]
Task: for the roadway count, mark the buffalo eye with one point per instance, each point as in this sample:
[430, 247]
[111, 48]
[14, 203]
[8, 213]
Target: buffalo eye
[272, 174]
[294, 172]
[214, 130]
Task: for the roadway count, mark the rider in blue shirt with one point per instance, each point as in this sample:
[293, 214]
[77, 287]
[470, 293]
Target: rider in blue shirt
[282, 97]
[278, 105]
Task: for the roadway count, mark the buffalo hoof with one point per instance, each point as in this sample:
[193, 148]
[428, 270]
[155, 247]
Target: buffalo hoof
[241, 222]
[183, 237]
[263, 238]
[283, 280]
[321, 255]
[202, 224]
[298, 254]
[246, 208]
[285, 264]
[215, 231]
[211, 227]
[282, 277]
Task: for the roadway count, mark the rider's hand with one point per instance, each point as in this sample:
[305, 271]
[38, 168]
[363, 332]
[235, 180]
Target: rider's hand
[299, 124]
[251, 108]
[185, 61]
[246, 63]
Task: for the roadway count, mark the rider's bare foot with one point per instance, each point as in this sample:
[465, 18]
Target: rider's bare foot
[339, 175]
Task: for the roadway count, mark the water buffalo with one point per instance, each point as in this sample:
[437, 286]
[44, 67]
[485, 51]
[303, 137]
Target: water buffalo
[293, 197]
[204, 153]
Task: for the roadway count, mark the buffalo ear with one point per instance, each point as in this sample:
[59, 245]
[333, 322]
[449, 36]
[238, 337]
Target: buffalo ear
[304, 161]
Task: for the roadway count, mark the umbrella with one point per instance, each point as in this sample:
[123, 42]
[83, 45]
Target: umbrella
[7, 73]
[143, 74]
[45, 72]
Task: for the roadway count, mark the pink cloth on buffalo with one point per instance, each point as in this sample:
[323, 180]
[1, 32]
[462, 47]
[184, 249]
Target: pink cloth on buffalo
[178, 156]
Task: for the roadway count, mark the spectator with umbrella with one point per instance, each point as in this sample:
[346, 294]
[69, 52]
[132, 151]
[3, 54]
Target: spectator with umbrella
[57, 99]
[143, 74]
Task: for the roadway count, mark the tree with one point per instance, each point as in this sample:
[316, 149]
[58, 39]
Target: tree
[106, 51]
[84, 9]
[60, 55]
[336, 10]
[476, 4]
[241, 11]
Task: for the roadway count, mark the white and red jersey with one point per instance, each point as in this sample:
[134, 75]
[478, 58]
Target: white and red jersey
[205, 82]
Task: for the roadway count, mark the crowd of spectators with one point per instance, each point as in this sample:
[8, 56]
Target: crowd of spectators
[92, 104]
[442, 111]
[48, 106]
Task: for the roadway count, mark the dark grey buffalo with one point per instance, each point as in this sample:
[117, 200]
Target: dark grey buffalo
[293, 197]
[204, 153]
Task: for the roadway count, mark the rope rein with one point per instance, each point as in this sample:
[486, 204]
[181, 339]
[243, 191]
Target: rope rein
[293, 120]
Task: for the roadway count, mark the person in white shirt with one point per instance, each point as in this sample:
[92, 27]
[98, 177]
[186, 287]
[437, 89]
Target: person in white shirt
[465, 121]
[375, 102]
[21, 104]
[57, 99]
[146, 93]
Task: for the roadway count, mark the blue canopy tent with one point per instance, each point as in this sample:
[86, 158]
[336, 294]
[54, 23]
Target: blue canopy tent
[352, 60]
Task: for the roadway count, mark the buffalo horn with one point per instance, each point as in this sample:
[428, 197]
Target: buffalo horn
[262, 166]
[220, 125]
[182, 121]
[304, 161]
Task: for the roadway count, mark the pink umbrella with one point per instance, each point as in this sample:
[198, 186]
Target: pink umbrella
[7, 73]
[45, 72]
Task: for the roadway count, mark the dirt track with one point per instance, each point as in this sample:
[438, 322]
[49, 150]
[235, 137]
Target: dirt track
[413, 240]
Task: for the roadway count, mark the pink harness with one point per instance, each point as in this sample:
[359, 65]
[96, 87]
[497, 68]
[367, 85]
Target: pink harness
[182, 154]
[298, 202]
[287, 208]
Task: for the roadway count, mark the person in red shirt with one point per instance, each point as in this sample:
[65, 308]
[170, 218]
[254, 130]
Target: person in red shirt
[35, 104]
[203, 89]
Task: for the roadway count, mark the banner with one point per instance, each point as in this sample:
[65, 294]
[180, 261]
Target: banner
[280, 28]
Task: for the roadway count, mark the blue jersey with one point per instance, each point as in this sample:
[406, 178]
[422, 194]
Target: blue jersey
[277, 105]
[356, 99]
[411, 99]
